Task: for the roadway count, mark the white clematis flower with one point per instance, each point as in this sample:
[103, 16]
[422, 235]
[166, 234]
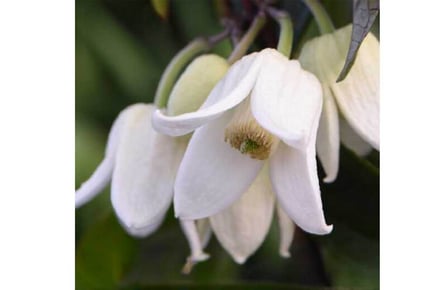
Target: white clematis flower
[266, 107]
[356, 97]
[141, 162]
[141, 165]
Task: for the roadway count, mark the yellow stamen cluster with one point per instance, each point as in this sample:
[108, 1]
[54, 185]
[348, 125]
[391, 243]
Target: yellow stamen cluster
[246, 135]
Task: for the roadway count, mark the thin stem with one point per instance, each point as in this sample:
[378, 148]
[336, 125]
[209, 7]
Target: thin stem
[213, 40]
[181, 59]
[248, 38]
[322, 19]
[286, 30]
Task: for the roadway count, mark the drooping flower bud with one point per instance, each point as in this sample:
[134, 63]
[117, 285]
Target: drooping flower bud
[195, 84]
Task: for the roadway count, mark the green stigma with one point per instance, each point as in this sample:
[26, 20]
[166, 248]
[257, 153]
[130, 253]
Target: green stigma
[248, 146]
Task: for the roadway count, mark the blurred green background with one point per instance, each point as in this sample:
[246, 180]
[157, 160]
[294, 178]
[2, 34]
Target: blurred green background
[122, 48]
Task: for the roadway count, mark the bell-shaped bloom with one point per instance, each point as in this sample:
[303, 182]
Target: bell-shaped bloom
[265, 108]
[141, 165]
[356, 98]
[243, 226]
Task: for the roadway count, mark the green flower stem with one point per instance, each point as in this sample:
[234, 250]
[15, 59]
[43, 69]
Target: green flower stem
[247, 39]
[175, 67]
[286, 30]
[323, 20]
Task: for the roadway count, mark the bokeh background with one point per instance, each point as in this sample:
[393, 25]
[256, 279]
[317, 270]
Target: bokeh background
[122, 48]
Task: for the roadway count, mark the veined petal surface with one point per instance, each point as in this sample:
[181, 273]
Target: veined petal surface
[286, 99]
[102, 175]
[242, 227]
[358, 95]
[212, 174]
[146, 163]
[229, 92]
[352, 140]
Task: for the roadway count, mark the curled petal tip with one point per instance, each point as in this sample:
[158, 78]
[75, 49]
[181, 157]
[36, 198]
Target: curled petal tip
[327, 229]
[240, 259]
[329, 178]
[200, 257]
[285, 254]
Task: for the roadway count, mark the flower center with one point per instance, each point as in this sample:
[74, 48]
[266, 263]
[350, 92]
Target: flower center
[246, 135]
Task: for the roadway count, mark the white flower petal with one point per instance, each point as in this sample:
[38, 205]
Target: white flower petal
[146, 163]
[327, 143]
[145, 231]
[96, 183]
[212, 174]
[229, 92]
[358, 94]
[243, 226]
[294, 178]
[102, 175]
[189, 227]
[287, 230]
[286, 99]
[352, 140]
[204, 230]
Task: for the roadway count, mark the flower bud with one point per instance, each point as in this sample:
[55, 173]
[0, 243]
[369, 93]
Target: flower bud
[195, 84]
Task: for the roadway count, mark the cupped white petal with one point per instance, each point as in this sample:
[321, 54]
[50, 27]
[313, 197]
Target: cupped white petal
[352, 140]
[327, 143]
[294, 178]
[358, 95]
[146, 163]
[287, 230]
[286, 99]
[102, 175]
[243, 226]
[229, 92]
[212, 174]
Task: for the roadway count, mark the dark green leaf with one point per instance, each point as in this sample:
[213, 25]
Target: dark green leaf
[364, 14]
[104, 255]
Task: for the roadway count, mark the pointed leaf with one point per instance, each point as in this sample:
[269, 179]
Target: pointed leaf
[364, 14]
